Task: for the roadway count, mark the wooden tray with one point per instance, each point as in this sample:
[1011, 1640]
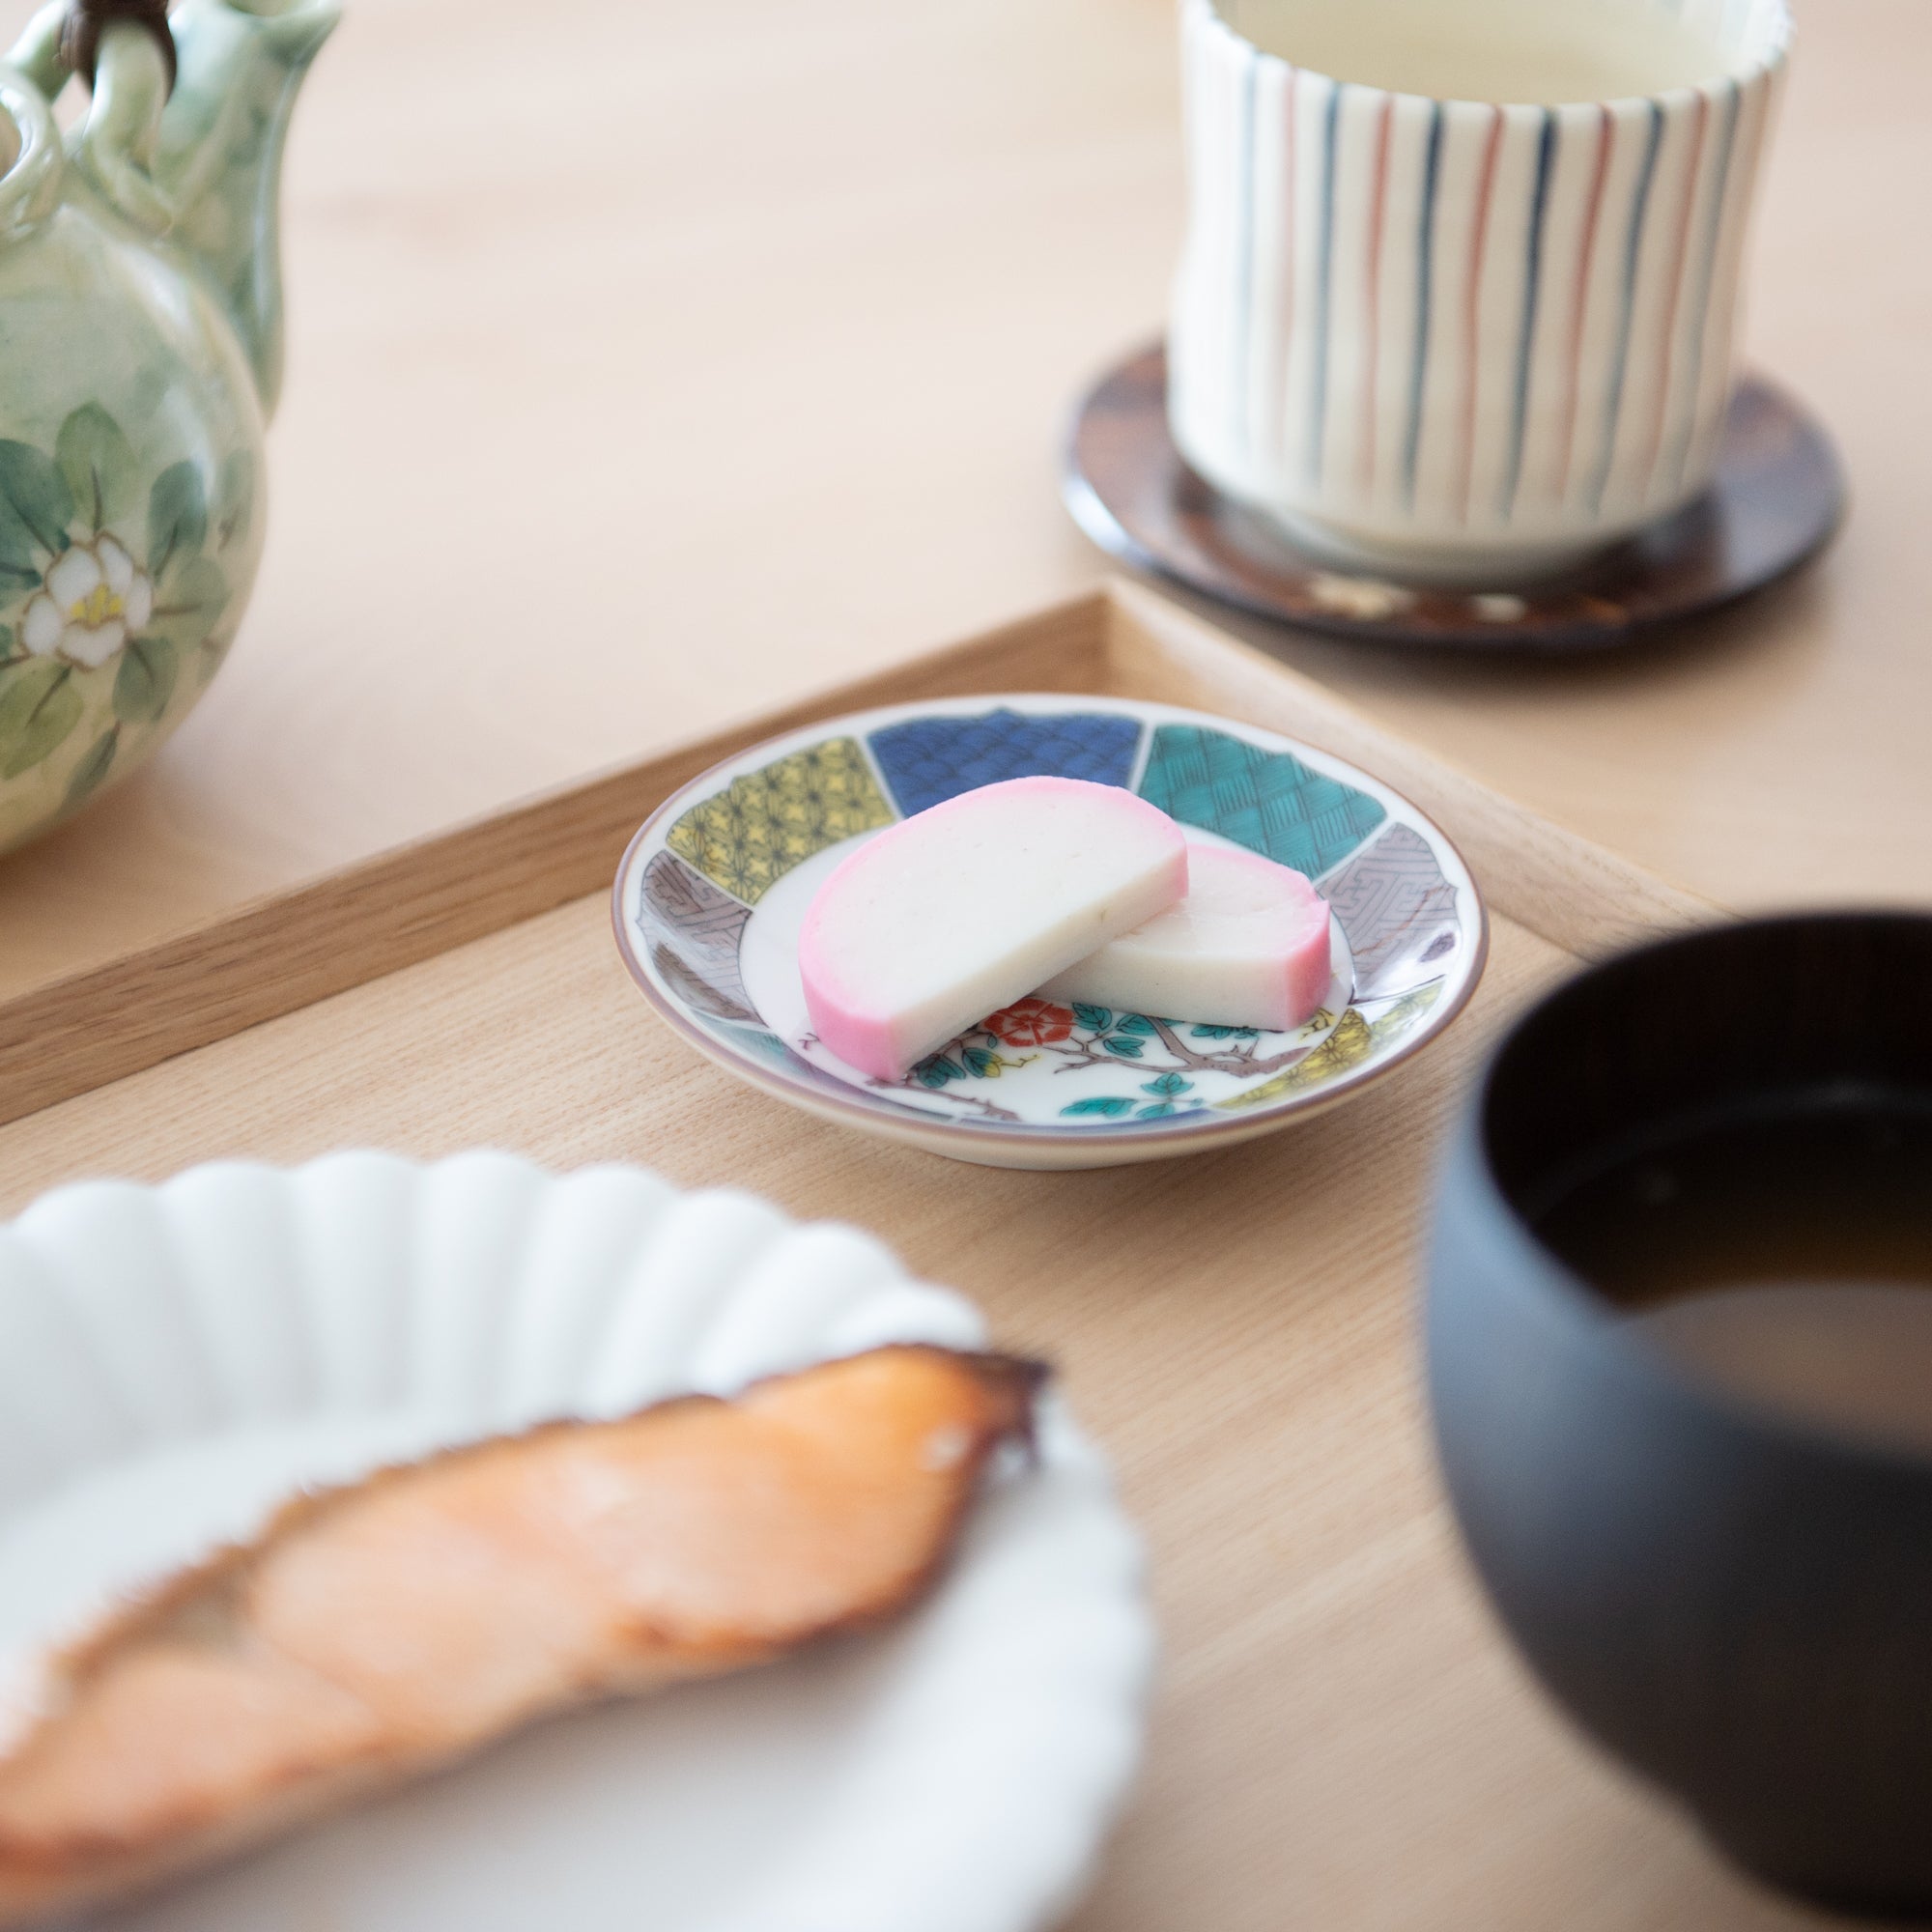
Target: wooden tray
[421, 900]
[1342, 1740]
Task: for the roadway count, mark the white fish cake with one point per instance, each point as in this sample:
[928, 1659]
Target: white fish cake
[1248, 947]
[963, 908]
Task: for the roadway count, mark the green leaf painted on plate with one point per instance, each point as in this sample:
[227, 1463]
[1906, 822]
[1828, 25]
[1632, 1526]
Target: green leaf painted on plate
[36, 505]
[1138, 1023]
[1223, 1033]
[146, 680]
[1095, 1019]
[39, 707]
[1168, 1084]
[1110, 1106]
[177, 517]
[981, 1064]
[938, 1072]
[1158, 1110]
[97, 462]
[92, 769]
[1127, 1049]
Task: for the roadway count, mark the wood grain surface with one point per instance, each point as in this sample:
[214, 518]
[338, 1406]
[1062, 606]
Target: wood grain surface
[286, 951]
[653, 365]
[1342, 1741]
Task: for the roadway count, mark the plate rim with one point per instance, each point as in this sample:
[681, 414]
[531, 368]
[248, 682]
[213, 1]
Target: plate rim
[1192, 1131]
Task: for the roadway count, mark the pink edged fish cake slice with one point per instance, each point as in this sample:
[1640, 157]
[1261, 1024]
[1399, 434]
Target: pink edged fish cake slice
[1248, 947]
[961, 909]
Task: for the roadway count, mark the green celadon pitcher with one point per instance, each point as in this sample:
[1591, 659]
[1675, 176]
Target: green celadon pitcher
[140, 355]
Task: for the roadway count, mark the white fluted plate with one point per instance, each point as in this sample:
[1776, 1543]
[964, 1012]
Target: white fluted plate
[174, 1360]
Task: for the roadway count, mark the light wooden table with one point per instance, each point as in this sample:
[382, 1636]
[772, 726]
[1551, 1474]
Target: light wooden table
[1341, 1741]
[651, 366]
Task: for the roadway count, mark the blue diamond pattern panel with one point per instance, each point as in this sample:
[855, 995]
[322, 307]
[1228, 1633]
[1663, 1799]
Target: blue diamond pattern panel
[926, 761]
[1267, 801]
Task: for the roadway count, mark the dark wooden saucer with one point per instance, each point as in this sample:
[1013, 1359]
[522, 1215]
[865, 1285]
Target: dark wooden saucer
[1776, 500]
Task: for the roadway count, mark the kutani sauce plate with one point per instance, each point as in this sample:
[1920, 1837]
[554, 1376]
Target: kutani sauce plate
[714, 889]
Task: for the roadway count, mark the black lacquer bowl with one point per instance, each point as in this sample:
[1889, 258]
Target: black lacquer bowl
[1736, 1603]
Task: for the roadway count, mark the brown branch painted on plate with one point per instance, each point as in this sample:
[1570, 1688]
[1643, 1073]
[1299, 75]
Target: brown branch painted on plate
[1241, 1060]
[1077, 1054]
[985, 1109]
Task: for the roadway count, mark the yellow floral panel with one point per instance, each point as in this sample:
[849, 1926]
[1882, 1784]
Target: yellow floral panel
[752, 833]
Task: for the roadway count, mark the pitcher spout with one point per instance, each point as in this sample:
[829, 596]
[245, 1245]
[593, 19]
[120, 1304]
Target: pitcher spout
[218, 162]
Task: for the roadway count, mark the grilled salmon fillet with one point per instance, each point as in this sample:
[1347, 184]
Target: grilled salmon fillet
[374, 1631]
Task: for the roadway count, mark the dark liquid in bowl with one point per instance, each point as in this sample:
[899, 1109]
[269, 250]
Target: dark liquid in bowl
[1785, 1253]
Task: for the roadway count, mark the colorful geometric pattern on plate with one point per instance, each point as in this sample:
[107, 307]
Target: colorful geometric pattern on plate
[753, 831]
[713, 892]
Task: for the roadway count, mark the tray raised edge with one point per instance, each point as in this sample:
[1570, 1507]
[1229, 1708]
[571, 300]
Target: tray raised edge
[355, 924]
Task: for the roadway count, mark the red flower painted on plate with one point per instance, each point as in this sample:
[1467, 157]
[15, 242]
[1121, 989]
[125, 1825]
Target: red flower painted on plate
[1031, 1022]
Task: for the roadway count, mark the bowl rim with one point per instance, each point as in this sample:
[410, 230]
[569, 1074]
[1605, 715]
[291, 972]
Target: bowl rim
[1760, 65]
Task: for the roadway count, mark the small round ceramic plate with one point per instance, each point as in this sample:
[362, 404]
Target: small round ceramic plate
[176, 1360]
[713, 892]
[1777, 498]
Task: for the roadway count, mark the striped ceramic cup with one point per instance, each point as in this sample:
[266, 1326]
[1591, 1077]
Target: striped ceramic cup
[1442, 334]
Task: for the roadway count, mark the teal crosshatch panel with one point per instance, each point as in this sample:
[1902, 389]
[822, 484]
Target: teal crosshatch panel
[1267, 801]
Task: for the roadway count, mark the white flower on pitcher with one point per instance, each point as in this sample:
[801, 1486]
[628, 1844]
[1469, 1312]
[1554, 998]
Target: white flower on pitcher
[92, 601]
